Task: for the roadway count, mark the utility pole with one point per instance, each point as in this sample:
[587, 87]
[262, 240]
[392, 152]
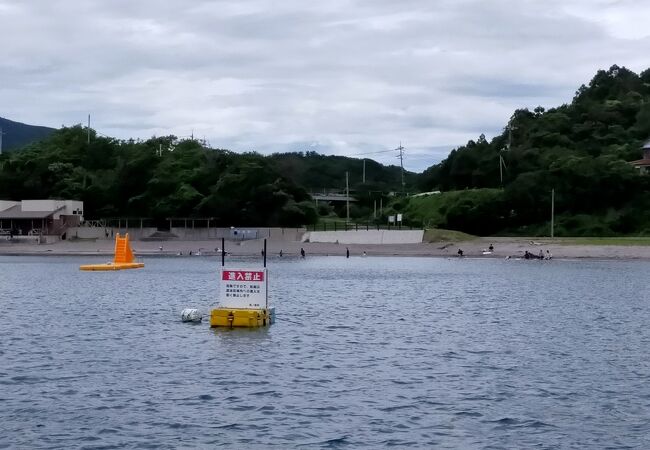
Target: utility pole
[89, 128]
[501, 169]
[364, 171]
[347, 196]
[1, 133]
[552, 212]
[401, 162]
[502, 164]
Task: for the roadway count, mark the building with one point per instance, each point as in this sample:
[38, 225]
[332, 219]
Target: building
[40, 217]
[643, 164]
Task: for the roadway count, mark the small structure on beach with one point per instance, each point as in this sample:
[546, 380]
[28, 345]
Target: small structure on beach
[123, 258]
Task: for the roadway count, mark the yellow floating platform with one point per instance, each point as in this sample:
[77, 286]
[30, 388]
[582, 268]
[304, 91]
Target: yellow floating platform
[111, 266]
[249, 318]
[122, 260]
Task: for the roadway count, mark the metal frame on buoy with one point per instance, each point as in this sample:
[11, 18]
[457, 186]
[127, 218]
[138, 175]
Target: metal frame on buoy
[243, 285]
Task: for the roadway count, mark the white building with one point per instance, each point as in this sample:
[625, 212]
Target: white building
[40, 217]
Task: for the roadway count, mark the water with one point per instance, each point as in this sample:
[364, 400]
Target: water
[366, 353]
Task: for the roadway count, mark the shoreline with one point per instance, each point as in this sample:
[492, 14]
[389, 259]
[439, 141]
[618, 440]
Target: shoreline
[503, 247]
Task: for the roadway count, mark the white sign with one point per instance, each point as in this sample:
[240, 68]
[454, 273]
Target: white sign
[243, 288]
[391, 219]
[399, 217]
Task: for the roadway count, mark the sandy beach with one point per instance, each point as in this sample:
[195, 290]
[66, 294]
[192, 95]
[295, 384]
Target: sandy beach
[503, 247]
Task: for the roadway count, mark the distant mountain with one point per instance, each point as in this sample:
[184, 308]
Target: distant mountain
[16, 135]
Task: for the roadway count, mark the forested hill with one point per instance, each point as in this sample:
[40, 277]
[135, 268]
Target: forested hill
[316, 172]
[579, 149]
[16, 134]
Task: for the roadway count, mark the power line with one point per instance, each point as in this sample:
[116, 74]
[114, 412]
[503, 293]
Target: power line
[371, 153]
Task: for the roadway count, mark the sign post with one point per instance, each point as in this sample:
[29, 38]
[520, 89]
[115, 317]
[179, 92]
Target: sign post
[243, 289]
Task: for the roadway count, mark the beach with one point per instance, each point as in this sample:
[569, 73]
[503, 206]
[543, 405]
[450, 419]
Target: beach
[503, 247]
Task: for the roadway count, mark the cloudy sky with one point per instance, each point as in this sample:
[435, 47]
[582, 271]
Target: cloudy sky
[345, 77]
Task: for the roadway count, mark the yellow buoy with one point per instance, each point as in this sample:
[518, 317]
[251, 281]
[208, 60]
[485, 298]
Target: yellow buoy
[250, 318]
[123, 258]
[243, 299]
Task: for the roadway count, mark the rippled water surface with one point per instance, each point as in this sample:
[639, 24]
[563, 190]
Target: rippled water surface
[366, 353]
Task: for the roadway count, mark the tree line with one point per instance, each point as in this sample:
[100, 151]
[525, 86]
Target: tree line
[165, 177]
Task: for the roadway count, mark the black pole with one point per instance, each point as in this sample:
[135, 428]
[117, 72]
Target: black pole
[264, 252]
[223, 252]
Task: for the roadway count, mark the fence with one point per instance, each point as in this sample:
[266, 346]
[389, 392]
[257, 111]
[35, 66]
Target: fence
[355, 226]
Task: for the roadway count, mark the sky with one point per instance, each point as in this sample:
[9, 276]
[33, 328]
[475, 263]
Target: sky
[342, 77]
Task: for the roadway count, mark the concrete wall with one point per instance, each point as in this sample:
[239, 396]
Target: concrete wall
[367, 237]
[190, 234]
[241, 233]
[101, 233]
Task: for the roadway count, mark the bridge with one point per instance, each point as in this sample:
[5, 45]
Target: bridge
[332, 198]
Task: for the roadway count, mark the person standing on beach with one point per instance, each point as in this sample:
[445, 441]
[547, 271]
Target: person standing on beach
[460, 252]
[302, 252]
[347, 252]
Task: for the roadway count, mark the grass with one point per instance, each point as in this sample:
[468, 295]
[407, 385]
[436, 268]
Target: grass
[440, 235]
[641, 241]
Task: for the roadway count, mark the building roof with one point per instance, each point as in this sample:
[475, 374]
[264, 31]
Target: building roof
[16, 212]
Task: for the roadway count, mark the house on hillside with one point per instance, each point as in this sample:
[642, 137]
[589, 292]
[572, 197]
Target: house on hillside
[643, 164]
[40, 217]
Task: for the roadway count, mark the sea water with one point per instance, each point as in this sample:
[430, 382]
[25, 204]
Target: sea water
[366, 353]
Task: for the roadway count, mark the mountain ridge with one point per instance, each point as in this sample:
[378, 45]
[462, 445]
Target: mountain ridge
[16, 135]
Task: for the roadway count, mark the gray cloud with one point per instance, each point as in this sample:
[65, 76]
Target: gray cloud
[343, 77]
